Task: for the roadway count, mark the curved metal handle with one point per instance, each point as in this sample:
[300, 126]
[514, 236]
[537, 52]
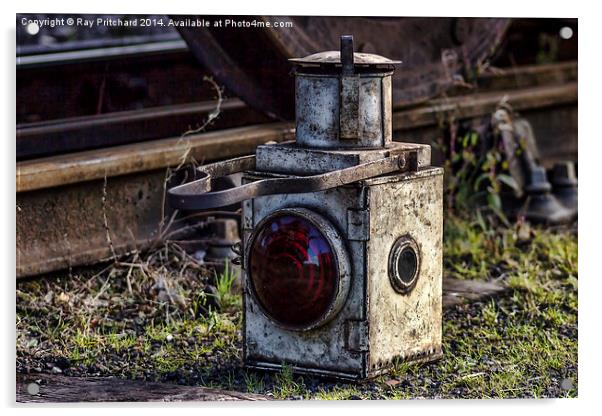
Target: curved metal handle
[197, 195]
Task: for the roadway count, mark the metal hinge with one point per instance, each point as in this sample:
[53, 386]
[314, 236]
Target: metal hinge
[247, 215]
[358, 224]
[238, 260]
[356, 335]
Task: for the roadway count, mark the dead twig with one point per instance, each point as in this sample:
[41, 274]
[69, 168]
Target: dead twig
[216, 111]
[185, 157]
[105, 220]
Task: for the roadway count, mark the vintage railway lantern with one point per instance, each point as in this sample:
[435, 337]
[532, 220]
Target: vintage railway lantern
[342, 229]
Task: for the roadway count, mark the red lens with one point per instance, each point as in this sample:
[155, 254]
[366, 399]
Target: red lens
[293, 271]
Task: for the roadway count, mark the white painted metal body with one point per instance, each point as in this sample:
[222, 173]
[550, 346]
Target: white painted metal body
[376, 324]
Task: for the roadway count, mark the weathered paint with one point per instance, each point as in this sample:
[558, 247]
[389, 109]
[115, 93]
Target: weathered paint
[288, 158]
[376, 324]
[406, 326]
[321, 350]
[318, 110]
[83, 223]
[343, 122]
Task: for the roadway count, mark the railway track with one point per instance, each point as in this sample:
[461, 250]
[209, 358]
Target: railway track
[63, 200]
[101, 123]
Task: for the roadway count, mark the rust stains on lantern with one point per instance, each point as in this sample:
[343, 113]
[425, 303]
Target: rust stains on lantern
[342, 229]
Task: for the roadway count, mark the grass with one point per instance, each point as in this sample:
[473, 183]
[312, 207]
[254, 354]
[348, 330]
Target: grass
[224, 284]
[118, 322]
[522, 345]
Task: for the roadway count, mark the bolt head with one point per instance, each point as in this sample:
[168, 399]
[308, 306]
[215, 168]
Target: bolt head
[402, 162]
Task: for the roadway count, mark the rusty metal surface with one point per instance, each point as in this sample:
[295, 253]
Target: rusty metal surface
[406, 326]
[334, 57]
[437, 52]
[346, 57]
[555, 92]
[288, 158]
[343, 105]
[438, 111]
[198, 195]
[357, 216]
[319, 112]
[320, 351]
[40, 139]
[113, 83]
[403, 269]
[343, 347]
[64, 227]
[120, 160]
[378, 323]
[550, 106]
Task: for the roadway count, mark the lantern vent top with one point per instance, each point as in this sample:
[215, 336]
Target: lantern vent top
[348, 60]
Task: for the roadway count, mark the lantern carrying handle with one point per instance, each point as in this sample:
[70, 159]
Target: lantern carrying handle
[197, 195]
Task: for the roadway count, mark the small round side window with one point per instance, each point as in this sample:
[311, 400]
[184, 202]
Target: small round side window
[404, 264]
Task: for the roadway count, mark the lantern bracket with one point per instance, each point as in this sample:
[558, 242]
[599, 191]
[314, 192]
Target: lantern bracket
[197, 195]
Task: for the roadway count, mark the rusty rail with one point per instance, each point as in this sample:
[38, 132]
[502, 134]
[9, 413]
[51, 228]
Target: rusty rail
[480, 104]
[47, 138]
[62, 200]
[156, 154]
[150, 155]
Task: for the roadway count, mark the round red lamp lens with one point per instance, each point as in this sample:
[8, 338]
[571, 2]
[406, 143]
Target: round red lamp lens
[293, 271]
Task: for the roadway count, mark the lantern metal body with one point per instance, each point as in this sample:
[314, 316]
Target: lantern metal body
[376, 324]
[378, 206]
